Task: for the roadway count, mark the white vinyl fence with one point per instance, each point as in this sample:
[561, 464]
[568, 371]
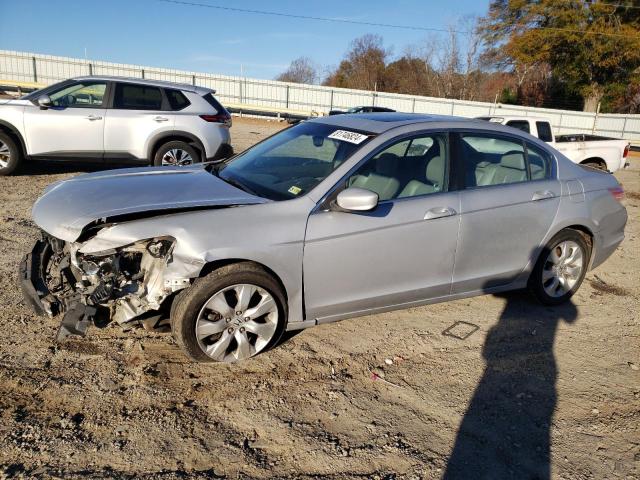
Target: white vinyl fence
[46, 69]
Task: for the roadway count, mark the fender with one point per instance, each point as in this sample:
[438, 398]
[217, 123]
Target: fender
[153, 141]
[16, 133]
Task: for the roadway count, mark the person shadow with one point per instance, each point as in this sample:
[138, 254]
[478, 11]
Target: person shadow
[505, 432]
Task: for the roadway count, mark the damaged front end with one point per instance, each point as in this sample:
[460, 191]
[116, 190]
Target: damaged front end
[125, 284]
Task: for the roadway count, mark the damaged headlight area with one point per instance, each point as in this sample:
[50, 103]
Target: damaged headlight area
[121, 284]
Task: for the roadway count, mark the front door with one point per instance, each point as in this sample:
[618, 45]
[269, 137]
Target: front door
[399, 253]
[73, 126]
[507, 206]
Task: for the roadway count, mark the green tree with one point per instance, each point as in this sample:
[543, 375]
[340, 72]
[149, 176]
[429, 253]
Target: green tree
[591, 47]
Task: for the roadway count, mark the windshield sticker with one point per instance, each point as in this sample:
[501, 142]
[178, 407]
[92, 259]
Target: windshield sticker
[346, 136]
[295, 190]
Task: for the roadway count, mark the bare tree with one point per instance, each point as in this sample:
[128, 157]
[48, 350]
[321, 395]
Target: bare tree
[363, 66]
[301, 70]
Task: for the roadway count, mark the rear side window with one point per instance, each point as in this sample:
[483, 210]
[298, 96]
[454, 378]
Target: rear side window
[137, 97]
[493, 161]
[520, 125]
[211, 100]
[539, 163]
[177, 100]
[544, 131]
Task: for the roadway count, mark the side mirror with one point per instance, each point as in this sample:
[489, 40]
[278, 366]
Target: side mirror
[357, 200]
[44, 101]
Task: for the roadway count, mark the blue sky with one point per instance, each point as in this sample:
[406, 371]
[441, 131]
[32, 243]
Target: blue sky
[150, 32]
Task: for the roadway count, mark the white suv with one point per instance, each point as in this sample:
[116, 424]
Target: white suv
[115, 119]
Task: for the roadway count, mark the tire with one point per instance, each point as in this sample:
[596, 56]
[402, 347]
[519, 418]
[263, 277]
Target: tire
[10, 154]
[558, 266]
[173, 153]
[200, 324]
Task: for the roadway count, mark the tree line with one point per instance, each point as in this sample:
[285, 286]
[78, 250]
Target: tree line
[570, 54]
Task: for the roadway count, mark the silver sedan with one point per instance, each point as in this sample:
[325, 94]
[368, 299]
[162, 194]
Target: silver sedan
[333, 218]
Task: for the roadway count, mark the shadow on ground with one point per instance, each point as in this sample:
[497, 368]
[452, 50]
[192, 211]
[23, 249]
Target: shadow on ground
[51, 167]
[505, 432]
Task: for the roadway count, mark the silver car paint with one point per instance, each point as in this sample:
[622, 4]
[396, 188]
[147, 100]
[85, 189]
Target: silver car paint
[353, 263]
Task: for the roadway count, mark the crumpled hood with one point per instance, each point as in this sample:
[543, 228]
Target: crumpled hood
[66, 207]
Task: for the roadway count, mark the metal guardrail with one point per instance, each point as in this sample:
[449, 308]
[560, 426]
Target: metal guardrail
[269, 96]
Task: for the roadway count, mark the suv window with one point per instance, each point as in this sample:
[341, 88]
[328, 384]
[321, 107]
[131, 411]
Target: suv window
[490, 160]
[408, 168]
[177, 100]
[137, 97]
[211, 100]
[520, 125]
[82, 94]
[544, 131]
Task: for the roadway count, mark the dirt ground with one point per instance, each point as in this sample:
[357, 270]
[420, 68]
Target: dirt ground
[523, 392]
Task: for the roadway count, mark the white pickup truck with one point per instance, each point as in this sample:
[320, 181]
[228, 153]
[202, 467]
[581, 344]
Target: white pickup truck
[600, 152]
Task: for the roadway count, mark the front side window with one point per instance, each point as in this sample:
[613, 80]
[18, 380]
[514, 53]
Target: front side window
[137, 97]
[492, 160]
[292, 162]
[82, 94]
[408, 168]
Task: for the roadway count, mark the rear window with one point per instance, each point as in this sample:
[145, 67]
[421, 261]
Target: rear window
[177, 100]
[544, 131]
[520, 125]
[137, 97]
[211, 100]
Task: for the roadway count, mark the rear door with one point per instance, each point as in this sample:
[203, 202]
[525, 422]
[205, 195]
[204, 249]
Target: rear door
[73, 126]
[509, 200]
[139, 112]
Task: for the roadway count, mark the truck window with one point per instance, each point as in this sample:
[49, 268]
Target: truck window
[520, 125]
[544, 131]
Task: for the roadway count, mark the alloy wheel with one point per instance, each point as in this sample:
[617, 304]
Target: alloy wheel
[5, 154]
[176, 157]
[237, 322]
[563, 268]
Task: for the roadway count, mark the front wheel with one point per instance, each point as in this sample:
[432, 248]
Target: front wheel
[176, 154]
[232, 314]
[561, 268]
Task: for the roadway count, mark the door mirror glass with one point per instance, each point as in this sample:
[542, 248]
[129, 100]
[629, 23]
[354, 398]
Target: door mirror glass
[44, 101]
[357, 200]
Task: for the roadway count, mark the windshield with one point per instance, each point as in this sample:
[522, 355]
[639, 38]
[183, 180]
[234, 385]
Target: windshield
[292, 162]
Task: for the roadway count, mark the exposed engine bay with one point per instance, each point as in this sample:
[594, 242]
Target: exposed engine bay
[118, 285]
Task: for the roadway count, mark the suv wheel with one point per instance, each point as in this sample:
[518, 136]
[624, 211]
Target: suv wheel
[232, 314]
[176, 154]
[10, 154]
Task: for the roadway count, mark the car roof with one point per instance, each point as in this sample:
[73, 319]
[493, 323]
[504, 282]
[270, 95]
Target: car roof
[381, 122]
[154, 83]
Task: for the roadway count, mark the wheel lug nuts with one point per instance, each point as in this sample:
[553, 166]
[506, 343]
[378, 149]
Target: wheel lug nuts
[227, 320]
[241, 329]
[230, 330]
[238, 313]
[246, 319]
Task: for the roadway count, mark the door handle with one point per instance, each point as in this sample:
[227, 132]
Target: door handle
[439, 212]
[542, 195]
[92, 118]
[161, 119]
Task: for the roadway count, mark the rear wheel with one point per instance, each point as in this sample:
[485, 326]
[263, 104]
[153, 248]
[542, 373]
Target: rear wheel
[10, 154]
[177, 154]
[596, 163]
[232, 314]
[561, 268]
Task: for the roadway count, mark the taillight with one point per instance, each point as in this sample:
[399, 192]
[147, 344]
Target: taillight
[218, 118]
[626, 151]
[617, 192]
